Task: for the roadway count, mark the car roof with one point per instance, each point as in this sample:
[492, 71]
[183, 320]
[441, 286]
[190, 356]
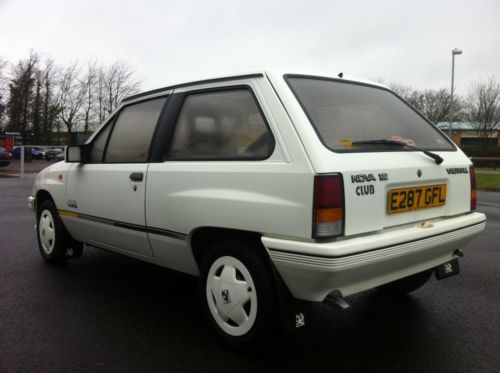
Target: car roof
[256, 74]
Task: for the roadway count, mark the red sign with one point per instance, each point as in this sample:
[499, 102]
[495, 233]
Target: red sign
[9, 143]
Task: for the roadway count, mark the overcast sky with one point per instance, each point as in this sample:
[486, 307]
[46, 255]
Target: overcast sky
[172, 41]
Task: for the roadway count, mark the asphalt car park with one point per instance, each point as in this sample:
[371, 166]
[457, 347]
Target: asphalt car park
[13, 169]
[106, 312]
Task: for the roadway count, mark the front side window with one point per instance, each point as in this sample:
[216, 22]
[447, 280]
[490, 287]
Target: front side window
[133, 131]
[343, 113]
[221, 125]
[99, 144]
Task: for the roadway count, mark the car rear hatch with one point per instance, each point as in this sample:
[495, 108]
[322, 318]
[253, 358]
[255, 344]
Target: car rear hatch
[395, 188]
[378, 143]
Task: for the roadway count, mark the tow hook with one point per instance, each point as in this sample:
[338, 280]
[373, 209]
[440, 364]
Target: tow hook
[458, 253]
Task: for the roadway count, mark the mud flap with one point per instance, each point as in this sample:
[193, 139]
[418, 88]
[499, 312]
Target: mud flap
[295, 315]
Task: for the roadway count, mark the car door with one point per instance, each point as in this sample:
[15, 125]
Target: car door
[107, 193]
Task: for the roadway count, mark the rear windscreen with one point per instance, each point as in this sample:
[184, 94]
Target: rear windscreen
[343, 113]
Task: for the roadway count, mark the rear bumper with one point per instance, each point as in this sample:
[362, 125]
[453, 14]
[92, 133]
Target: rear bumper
[313, 270]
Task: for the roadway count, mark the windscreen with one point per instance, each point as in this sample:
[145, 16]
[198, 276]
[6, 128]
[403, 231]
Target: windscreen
[343, 113]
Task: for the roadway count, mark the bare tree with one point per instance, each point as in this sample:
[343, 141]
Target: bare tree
[90, 81]
[21, 85]
[483, 108]
[3, 90]
[116, 83]
[436, 104]
[72, 96]
[433, 103]
[412, 96]
[36, 106]
[401, 89]
[42, 97]
[51, 105]
[101, 95]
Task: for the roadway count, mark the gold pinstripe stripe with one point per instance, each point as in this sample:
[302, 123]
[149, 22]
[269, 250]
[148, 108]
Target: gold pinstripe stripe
[68, 213]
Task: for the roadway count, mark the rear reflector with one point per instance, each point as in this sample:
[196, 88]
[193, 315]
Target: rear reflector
[473, 194]
[328, 209]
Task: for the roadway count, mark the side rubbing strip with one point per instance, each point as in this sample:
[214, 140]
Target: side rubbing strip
[139, 228]
[163, 232]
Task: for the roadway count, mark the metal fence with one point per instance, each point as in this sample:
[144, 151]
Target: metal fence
[24, 148]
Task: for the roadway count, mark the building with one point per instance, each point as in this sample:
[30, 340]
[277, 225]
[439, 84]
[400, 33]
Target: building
[464, 134]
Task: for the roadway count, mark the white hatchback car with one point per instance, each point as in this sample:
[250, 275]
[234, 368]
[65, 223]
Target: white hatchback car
[276, 189]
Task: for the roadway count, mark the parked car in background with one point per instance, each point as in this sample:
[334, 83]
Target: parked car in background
[40, 150]
[52, 153]
[5, 157]
[59, 157]
[35, 154]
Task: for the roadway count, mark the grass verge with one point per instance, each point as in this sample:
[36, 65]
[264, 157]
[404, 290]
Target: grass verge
[487, 169]
[488, 181]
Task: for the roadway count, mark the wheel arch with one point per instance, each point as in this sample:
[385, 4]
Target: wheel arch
[202, 238]
[41, 196]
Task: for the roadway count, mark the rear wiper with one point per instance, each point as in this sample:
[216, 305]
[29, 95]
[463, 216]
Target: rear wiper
[434, 156]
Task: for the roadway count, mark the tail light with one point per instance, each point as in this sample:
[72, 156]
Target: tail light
[473, 194]
[328, 208]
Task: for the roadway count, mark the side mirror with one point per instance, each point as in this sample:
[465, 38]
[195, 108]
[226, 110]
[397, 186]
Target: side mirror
[75, 154]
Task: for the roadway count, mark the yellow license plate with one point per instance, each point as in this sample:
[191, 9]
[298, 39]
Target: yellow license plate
[409, 199]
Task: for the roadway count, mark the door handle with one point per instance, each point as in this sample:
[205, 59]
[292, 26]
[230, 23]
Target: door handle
[136, 176]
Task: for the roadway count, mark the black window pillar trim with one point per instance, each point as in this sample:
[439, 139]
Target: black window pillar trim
[156, 132]
[165, 127]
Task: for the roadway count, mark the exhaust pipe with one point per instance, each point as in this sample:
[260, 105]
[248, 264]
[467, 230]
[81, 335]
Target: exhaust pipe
[335, 299]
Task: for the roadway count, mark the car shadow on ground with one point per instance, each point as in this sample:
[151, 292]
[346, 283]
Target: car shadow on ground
[116, 298]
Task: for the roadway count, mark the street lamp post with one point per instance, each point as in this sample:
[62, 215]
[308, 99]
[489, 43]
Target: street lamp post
[453, 53]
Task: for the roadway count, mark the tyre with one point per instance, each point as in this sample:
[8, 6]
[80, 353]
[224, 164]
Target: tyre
[53, 240]
[238, 295]
[407, 284]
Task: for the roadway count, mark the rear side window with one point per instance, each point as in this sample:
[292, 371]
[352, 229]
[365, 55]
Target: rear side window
[224, 124]
[343, 113]
[133, 131]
